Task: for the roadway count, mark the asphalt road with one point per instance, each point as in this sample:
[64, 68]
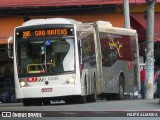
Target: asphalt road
[112, 110]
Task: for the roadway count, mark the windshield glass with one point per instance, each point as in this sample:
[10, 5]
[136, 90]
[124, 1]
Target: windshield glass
[45, 56]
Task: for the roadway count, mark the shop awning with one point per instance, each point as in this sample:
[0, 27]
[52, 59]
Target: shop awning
[139, 23]
[60, 3]
[7, 25]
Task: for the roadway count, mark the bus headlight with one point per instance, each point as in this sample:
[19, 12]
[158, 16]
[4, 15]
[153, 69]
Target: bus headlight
[71, 80]
[23, 83]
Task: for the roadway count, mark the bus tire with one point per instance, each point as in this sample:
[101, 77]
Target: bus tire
[46, 102]
[38, 102]
[82, 99]
[121, 88]
[27, 102]
[71, 100]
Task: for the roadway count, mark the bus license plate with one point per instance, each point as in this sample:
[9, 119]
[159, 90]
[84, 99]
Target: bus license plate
[46, 90]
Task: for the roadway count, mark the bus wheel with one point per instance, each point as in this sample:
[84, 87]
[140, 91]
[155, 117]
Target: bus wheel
[71, 100]
[46, 102]
[27, 102]
[82, 99]
[38, 102]
[121, 88]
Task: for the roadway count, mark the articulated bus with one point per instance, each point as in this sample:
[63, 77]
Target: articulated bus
[64, 59]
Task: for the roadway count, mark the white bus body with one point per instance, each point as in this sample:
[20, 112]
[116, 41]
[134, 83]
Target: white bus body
[72, 61]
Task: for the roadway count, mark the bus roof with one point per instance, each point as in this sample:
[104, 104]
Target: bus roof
[117, 30]
[50, 21]
[106, 26]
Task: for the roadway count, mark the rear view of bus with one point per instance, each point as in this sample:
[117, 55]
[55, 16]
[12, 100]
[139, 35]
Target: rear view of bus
[45, 61]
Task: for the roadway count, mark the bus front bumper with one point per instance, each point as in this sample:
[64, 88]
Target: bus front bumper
[48, 91]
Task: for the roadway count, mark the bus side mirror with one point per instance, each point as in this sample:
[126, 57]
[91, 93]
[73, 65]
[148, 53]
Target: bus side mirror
[10, 47]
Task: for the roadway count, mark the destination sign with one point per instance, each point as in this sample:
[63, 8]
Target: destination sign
[45, 32]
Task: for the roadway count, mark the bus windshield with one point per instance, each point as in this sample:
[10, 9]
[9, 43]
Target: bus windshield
[45, 56]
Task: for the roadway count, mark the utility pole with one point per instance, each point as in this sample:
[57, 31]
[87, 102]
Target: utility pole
[126, 14]
[150, 49]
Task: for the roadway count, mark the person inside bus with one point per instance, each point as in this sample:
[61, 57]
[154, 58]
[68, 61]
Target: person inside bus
[143, 78]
